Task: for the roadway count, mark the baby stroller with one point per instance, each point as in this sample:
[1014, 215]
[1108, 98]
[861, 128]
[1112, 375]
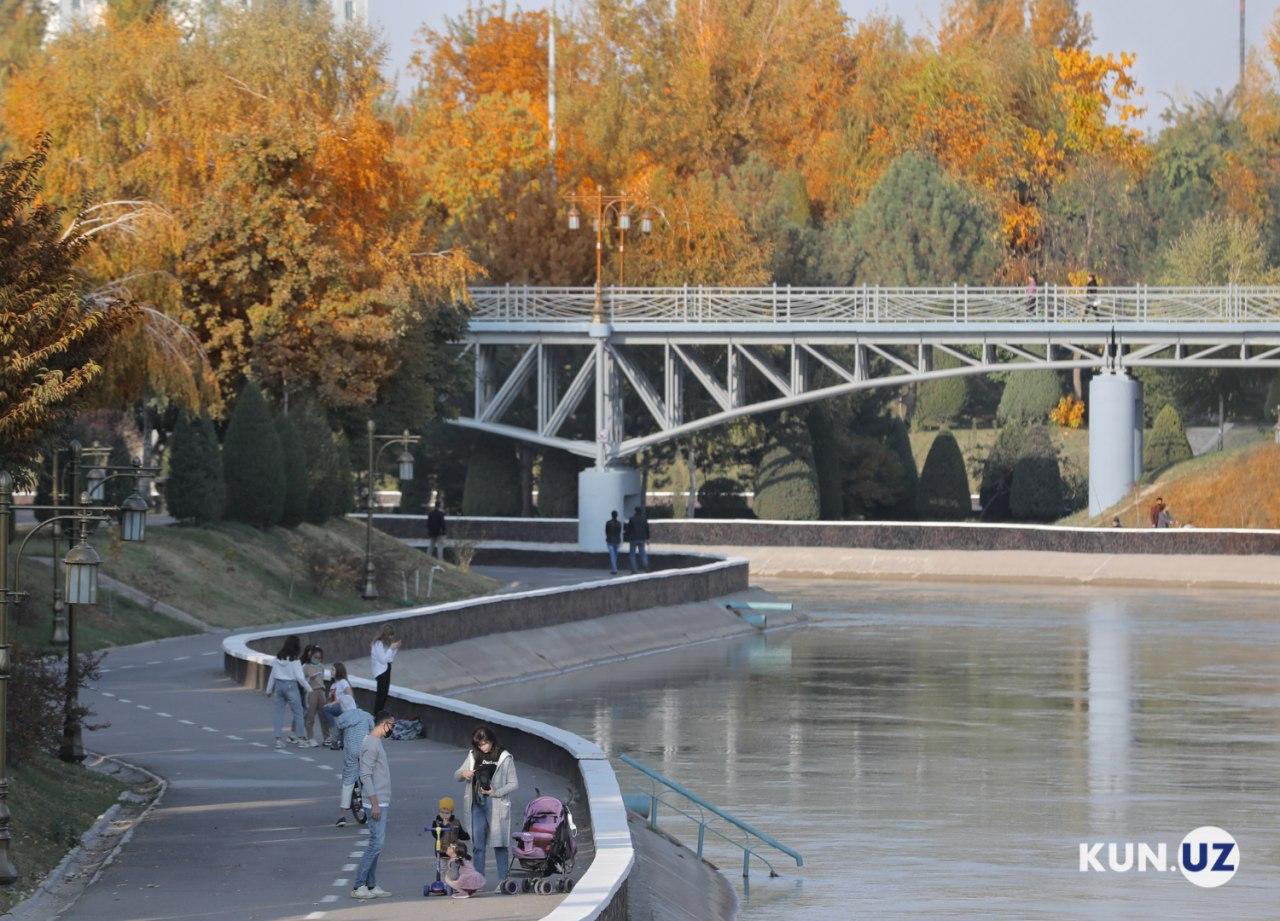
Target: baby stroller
[545, 848]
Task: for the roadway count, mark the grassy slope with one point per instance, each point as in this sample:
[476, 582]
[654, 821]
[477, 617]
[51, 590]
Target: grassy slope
[1238, 488]
[52, 804]
[232, 575]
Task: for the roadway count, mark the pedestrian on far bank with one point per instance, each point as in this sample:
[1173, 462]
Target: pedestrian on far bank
[317, 673]
[1033, 287]
[350, 727]
[612, 540]
[489, 773]
[1165, 518]
[382, 652]
[1115, 522]
[1156, 509]
[375, 778]
[437, 527]
[287, 684]
[1091, 302]
[638, 540]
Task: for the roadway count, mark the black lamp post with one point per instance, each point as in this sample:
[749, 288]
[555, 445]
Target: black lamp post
[404, 464]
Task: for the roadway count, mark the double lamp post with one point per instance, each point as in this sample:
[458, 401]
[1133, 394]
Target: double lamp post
[80, 567]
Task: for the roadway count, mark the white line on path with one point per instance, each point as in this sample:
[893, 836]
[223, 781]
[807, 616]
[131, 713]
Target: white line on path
[324, 767]
[348, 868]
[212, 652]
[123, 667]
[235, 738]
[181, 658]
[314, 916]
[124, 700]
[143, 707]
[328, 898]
[259, 744]
[305, 758]
[186, 722]
[356, 854]
[341, 882]
[107, 694]
[208, 729]
[156, 662]
[162, 713]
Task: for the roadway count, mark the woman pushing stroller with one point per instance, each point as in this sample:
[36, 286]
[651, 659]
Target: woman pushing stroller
[489, 773]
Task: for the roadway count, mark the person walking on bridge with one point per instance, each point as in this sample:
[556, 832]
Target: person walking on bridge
[612, 540]
[375, 778]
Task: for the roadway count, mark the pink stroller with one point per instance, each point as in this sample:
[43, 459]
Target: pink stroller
[545, 848]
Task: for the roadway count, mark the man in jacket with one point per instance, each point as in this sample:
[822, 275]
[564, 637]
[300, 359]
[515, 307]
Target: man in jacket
[375, 778]
[436, 528]
[612, 539]
[638, 540]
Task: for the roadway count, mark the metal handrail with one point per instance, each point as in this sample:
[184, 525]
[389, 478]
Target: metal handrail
[873, 304]
[656, 797]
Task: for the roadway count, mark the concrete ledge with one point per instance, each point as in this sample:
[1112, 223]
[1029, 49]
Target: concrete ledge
[870, 535]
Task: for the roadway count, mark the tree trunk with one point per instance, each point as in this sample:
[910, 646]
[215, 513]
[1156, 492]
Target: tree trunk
[691, 465]
[1077, 382]
[644, 481]
[1222, 414]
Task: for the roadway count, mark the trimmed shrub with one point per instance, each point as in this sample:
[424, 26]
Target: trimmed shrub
[1036, 490]
[943, 493]
[898, 440]
[1168, 442]
[1029, 396]
[719, 497]
[830, 456]
[492, 486]
[786, 483]
[296, 485]
[194, 490]
[316, 442]
[1271, 403]
[940, 402]
[252, 463]
[558, 484]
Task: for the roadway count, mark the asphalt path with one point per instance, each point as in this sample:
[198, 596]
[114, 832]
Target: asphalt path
[246, 832]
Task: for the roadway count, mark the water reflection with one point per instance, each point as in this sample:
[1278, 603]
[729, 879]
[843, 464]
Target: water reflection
[940, 752]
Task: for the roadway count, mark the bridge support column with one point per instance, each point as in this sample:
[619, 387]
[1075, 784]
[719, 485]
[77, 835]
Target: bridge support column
[602, 490]
[1115, 438]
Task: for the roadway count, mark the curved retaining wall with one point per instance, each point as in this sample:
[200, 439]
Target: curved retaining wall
[870, 535]
[601, 893]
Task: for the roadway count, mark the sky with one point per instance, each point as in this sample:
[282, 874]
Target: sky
[1183, 47]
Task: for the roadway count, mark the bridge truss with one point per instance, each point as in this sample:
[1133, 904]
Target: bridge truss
[668, 362]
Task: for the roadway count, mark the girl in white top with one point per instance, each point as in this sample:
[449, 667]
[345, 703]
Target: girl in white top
[383, 652]
[288, 684]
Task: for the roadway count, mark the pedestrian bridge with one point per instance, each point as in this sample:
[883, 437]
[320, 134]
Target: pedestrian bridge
[662, 363]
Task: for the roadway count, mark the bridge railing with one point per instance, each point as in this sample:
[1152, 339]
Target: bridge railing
[874, 304]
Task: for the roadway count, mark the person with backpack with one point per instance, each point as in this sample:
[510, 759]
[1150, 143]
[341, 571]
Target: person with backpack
[612, 539]
[637, 535]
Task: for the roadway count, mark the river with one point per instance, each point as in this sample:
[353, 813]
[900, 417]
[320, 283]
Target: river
[942, 751]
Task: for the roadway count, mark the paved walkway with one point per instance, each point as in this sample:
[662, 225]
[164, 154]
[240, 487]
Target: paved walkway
[246, 832]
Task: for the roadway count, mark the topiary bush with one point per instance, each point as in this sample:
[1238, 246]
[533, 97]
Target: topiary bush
[1029, 396]
[492, 487]
[1168, 442]
[898, 440]
[1036, 491]
[943, 493]
[194, 490]
[296, 485]
[558, 484]
[786, 483]
[940, 402]
[719, 497]
[252, 463]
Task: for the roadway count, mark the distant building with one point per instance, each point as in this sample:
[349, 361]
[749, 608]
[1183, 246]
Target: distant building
[63, 12]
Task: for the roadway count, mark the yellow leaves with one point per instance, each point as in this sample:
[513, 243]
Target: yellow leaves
[1069, 413]
[1091, 89]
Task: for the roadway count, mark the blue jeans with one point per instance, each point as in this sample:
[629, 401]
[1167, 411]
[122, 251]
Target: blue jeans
[480, 842]
[639, 547]
[367, 875]
[287, 694]
[613, 557]
[333, 711]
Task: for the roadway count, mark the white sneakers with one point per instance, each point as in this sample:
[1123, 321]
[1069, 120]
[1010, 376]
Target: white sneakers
[379, 893]
[364, 893]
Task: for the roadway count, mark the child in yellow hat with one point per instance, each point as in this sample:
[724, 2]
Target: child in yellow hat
[446, 828]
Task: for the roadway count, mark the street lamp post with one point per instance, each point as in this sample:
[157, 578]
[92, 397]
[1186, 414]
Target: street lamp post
[404, 471]
[601, 206]
[80, 578]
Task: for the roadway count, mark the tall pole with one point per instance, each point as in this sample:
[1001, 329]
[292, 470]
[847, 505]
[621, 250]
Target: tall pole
[71, 750]
[59, 611]
[8, 872]
[597, 314]
[551, 91]
[1242, 46]
[370, 588]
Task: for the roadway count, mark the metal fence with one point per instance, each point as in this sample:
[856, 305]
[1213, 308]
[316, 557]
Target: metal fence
[874, 304]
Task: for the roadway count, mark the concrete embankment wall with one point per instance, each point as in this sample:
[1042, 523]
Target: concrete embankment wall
[868, 535]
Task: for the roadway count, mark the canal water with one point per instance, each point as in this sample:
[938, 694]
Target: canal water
[942, 751]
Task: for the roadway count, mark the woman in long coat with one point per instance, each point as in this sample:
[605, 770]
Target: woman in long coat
[489, 773]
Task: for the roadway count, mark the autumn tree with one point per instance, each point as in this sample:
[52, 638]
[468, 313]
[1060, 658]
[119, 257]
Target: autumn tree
[52, 338]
